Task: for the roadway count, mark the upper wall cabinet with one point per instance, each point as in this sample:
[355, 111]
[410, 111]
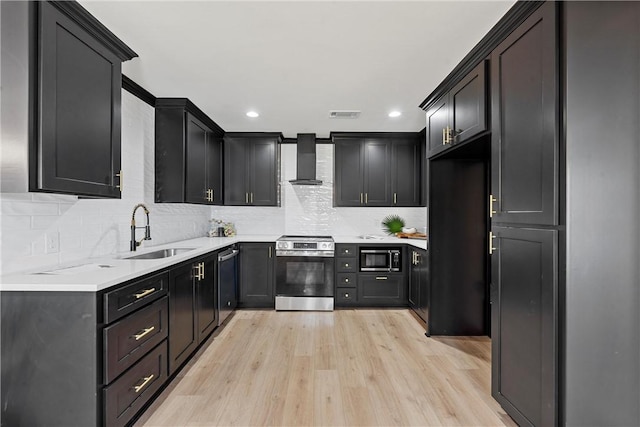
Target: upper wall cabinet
[188, 154]
[252, 169]
[524, 129]
[76, 86]
[377, 169]
[459, 115]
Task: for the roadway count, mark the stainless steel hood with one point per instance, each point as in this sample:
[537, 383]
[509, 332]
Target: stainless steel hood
[306, 160]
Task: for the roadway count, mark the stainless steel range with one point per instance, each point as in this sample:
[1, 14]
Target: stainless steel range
[304, 273]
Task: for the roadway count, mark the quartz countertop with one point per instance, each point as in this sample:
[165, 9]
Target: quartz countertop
[97, 274]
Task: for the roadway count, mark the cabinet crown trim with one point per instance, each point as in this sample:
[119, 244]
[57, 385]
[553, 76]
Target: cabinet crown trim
[509, 22]
[185, 103]
[89, 23]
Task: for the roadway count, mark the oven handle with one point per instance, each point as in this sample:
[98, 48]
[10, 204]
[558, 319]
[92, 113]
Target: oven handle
[304, 254]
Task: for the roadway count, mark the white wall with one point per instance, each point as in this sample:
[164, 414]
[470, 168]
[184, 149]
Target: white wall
[95, 227]
[309, 209]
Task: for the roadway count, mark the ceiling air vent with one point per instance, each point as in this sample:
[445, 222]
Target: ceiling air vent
[344, 114]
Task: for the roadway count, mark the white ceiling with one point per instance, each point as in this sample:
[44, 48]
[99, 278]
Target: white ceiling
[293, 61]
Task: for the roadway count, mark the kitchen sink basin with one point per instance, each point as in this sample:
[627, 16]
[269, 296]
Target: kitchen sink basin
[161, 253]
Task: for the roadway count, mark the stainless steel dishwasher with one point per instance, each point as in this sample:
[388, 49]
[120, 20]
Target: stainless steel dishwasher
[227, 283]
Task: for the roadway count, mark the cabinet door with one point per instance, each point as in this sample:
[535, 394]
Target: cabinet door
[468, 105]
[377, 172]
[206, 298]
[348, 173]
[423, 266]
[214, 168]
[405, 178]
[235, 173]
[387, 290]
[524, 325]
[414, 281]
[78, 137]
[437, 121]
[524, 114]
[262, 166]
[196, 172]
[183, 338]
[256, 275]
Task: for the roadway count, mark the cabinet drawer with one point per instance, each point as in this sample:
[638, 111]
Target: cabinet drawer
[345, 296]
[127, 341]
[347, 280]
[346, 250]
[129, 298]
[126, 396]
[346, 265]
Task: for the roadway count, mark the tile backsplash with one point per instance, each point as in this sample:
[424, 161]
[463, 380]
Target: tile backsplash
[38, 229]
[33, 224]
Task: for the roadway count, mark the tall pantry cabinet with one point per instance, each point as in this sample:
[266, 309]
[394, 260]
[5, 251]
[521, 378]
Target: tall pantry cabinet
[564, 209]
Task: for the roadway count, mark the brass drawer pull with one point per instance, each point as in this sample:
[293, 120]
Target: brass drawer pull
[381, 277]
[145, 381]
[145, 293]
[143, 333]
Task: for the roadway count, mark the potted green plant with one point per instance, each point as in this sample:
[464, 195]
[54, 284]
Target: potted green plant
[392, 224]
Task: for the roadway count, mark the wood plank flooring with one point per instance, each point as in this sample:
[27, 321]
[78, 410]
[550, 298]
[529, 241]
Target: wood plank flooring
[340, 368]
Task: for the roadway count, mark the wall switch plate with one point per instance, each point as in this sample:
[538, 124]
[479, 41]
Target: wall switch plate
[52, 243]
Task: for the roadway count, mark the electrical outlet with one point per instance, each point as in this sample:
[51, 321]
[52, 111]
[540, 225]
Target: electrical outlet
[52, 243]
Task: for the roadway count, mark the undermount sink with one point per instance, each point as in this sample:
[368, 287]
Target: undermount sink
[161, 253]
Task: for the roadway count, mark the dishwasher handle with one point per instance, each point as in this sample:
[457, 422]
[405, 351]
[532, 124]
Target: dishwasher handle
[228, 255]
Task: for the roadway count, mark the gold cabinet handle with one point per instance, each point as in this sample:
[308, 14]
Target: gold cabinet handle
[269, 251]
[144, 293]
[119, 175]
[444, 138]
[346, 294]
[346, 280]
[212, 193]
[246, 198]
[491, 201]
[361, 198]
[251, 197]
[346, 264]
[145, 381]
[395, 198]
[491, 248]
[381, 277]
[201, 267]
[366, 198]
[143, 333]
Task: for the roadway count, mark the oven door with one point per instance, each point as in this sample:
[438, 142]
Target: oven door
[304, 276]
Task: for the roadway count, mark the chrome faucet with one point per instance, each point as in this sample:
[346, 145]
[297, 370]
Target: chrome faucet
[147, 229]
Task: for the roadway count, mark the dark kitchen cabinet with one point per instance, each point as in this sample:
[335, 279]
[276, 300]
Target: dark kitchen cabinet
[523, 323]
[252, 169]
[382, 289]
[377, 169]
[406, 171]
[257, 275]
[192, 308]
[460, 115]
[76, 89]
[188, 154]
[418, 294]
[524, 113]
[206, 298]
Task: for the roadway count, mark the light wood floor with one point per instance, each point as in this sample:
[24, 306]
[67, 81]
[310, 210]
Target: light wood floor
[347, 367]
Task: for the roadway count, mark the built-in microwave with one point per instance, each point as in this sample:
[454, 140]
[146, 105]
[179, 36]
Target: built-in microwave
[382, 259]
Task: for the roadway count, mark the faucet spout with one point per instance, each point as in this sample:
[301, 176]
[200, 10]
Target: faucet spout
[147, 228]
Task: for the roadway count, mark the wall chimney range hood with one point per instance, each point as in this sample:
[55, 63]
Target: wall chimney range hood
[306, 160]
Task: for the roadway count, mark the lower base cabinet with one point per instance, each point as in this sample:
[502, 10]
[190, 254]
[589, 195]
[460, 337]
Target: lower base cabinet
[387, 290]
[418, 294]
[257, 275]
[192, 307]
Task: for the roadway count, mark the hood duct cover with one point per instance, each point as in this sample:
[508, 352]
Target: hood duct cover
[306, 160]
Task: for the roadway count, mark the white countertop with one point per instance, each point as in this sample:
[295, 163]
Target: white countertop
[96, 274]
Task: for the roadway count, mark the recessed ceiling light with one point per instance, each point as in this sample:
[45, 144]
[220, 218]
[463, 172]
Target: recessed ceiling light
[395, 114]
[252, 114]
